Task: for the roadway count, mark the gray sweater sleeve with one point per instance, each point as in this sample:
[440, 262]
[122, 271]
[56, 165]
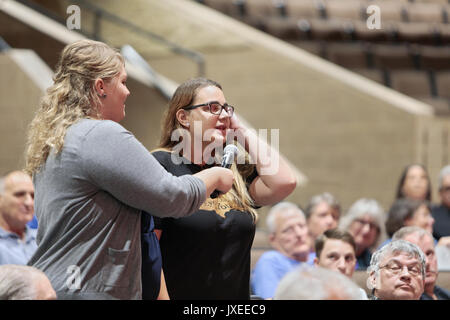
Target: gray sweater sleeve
[119, 164]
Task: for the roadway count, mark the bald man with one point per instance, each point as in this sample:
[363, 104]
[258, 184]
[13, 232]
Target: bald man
[17, 240]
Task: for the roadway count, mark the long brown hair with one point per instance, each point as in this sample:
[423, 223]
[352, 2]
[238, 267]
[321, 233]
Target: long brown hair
[72, 97]
[184, 96]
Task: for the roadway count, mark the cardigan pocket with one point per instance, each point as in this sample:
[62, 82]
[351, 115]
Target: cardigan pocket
[114, 270]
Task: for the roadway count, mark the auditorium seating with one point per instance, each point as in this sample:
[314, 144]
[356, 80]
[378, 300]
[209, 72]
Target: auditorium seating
[406, 53]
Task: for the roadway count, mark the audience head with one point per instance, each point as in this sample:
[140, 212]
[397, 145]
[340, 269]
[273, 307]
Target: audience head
[409, 212]
[89, 82]
[397, 271]
[425, 241]
[322, 214]
[444, 186]
[16, 201]
[24, 283]
[365, 222]
[414, 183]
[192, 92]
[335, 250]
[288, 232]
[316, 283]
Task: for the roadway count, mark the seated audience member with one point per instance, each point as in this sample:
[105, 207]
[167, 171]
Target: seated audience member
[315, 283]
[408, 212]
[322, 214]
[365, 222]
[441, 213]
[288, 235]
[335, 250]
[414, 183]
[17, 240]
[24, 283]
[397, 272]
[424, 240]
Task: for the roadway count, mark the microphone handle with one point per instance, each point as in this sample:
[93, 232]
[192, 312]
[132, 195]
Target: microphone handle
[216, 192]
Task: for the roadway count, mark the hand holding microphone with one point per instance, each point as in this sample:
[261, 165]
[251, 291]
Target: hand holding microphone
[229, 153]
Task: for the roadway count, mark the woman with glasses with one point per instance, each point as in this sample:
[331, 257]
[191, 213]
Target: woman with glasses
[408, 212]
[207, 256]
[365, 222]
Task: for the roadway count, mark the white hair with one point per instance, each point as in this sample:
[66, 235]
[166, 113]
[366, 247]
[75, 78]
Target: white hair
[316, 283]
[405, 231]
[317, 199]
[282, 208]
[445, 171]
[17, 282]
[359, 209]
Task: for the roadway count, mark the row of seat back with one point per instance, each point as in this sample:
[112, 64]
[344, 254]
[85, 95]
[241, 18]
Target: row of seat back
[382, 56]
[392, 10]
[292, 29]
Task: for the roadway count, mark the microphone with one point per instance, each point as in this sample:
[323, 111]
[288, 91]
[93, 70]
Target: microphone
[229, 153]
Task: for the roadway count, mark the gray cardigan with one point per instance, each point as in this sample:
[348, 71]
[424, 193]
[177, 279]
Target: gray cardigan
[88, 201]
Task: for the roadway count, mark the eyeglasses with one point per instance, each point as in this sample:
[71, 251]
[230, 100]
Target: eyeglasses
[396, 269]
[214, 107]
[372, 225]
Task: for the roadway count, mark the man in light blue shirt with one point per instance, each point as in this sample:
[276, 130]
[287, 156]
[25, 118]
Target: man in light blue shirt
[288, 235]
[17, 240]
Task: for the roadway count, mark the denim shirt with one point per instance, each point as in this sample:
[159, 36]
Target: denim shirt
[14, 250]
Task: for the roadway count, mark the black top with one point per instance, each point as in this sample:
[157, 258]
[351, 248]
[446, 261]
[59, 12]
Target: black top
[441, 226]
[363, 261]
[206, 255]
[441, 294]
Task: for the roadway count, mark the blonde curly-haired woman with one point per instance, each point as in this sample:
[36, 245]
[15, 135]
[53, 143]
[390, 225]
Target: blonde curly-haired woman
[93, 178]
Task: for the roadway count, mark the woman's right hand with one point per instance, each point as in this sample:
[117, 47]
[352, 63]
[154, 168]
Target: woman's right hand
[216, 178]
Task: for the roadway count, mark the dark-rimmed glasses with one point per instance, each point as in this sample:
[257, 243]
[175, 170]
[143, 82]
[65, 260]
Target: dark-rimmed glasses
[214, 107]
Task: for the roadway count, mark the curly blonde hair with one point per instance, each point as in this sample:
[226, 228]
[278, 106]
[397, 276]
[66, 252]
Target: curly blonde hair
[184, 96]
[72, 97]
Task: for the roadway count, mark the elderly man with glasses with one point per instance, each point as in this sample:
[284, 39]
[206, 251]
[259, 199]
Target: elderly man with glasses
[397, 272]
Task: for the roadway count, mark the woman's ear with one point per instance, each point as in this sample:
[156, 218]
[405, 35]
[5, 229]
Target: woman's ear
[182, 118]
[99, 86]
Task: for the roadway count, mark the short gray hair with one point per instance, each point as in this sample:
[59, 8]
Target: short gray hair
[445, 171]
[405, 231]
[17, 282]
[323, 197]
[285, 208]
[316, 283]
[362, 207]
[396, 246]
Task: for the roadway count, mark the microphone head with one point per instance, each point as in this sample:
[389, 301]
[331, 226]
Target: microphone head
[230, 148]
[229, 153]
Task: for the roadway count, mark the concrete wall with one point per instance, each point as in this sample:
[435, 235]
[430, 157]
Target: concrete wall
[20, 97]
